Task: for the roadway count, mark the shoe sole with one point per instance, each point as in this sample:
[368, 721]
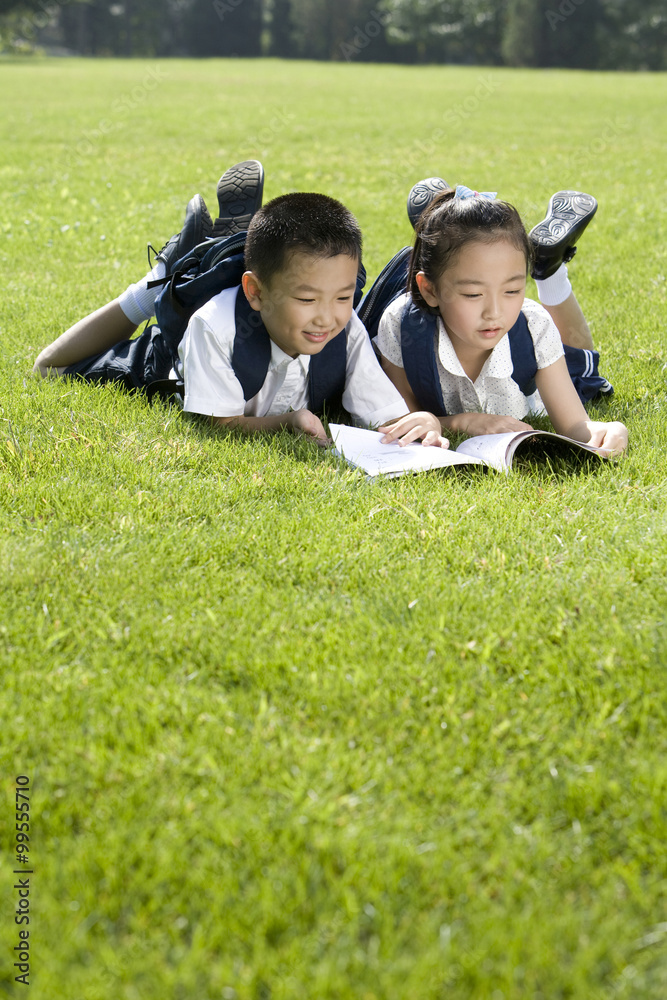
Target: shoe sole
[422, 195]
[240, 192]
[566, 212]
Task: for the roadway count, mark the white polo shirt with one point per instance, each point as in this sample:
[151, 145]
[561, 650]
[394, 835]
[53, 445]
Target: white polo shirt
[212, 389]
[494, 390]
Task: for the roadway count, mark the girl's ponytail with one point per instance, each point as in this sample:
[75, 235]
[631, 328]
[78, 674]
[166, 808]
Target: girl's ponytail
[422, 249]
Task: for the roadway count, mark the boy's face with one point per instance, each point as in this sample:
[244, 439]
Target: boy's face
[307, 303]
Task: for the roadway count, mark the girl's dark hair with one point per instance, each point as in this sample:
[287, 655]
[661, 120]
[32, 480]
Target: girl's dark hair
[448, 224]
[300, 223]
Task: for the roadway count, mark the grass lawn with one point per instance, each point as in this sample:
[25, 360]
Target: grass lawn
[290, 734]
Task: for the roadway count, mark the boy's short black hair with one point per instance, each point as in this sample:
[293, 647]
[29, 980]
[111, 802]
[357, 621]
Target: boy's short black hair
[300, 223]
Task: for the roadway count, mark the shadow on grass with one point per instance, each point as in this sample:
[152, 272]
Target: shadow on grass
[560, 461]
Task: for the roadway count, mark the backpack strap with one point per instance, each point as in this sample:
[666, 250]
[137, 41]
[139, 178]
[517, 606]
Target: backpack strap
[418, 346]
[389, 284]
[251, 353]
[419, 332]
[208, 269]
[326, 374]
[524, 361]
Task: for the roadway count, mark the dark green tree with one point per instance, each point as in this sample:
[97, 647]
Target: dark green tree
[570, 33]
[223, 28]
[522, 34]
[280, 29]
[462, 31]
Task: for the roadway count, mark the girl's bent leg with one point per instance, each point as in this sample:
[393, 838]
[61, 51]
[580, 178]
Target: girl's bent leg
[571, 323]
[93, 334]
[556, 295]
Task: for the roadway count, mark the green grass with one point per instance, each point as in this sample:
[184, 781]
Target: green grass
[289, 733]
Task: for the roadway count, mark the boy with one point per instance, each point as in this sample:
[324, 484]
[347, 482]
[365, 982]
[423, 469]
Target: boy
[265, 354]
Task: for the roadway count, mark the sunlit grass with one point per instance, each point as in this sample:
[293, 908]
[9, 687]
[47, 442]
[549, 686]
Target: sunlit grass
[290, 733]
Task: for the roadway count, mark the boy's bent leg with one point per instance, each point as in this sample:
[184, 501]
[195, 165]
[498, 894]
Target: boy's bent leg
[93, 334]
[117, 320]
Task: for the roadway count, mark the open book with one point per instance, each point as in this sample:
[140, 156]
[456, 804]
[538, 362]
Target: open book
[364, 450]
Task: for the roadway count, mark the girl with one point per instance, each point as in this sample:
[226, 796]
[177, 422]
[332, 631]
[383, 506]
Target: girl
[465, 343]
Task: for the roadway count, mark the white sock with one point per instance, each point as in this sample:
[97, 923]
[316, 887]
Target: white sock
[138, 301]
[555, 289]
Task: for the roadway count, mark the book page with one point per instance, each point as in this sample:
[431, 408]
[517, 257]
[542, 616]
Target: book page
[492, 449]
[498, 450]
[365, 450]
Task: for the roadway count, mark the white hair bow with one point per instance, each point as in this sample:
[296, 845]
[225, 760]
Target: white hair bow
[462, 192]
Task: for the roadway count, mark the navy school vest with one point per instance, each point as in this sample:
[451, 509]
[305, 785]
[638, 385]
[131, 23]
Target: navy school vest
[251, 356]
[419, 334]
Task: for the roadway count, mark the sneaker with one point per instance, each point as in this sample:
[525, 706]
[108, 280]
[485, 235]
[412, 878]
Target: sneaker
[422, 195]
[553, 240]
[198, 226]
[239, 196]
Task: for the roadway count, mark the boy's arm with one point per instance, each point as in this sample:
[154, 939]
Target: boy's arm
[296, 420]
[211, 387]
[568, 415]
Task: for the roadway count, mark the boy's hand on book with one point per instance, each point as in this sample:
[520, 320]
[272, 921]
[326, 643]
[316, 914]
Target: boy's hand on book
[475, 424]
[308, 423]
[611, 437]
[414, 427]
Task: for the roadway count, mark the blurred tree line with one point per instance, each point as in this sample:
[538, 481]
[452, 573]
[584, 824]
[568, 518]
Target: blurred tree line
[593, 34]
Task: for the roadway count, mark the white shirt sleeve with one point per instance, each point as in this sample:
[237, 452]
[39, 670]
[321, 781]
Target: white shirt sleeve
[211, 388]
[544, 332]
[369, 396]
[388, 339]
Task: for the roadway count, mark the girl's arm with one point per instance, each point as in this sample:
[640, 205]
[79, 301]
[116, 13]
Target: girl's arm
[568, 414]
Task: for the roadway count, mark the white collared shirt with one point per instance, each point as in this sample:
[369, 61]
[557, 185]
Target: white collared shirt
[494, 390]
[212, 389]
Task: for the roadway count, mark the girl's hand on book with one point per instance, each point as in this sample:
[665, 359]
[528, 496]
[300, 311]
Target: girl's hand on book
[414, 427]
[612, 437]
[475, 424]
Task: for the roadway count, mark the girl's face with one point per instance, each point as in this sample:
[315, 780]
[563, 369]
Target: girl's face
[479, 296]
